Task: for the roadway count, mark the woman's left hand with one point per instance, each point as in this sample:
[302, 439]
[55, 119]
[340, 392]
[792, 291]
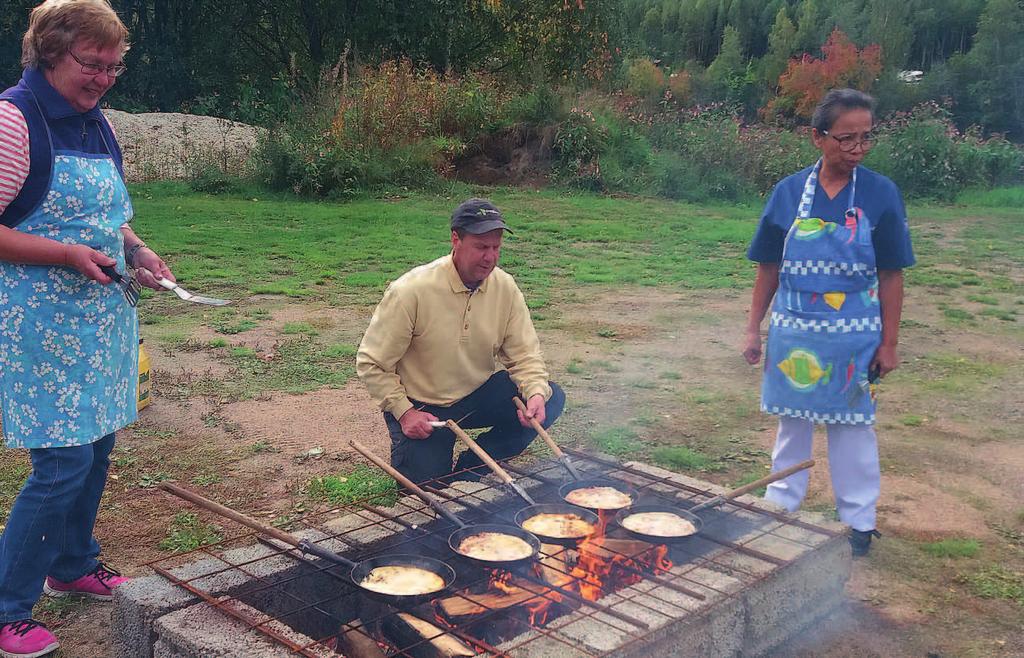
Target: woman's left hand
[885, 360]
[147, 263]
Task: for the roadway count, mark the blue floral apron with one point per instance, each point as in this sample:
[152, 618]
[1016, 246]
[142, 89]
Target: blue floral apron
[826, 322]
[69, 345]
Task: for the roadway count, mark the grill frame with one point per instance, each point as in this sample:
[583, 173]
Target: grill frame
[543, 478]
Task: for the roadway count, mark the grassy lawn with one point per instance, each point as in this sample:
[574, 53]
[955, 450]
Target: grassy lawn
[639, 303]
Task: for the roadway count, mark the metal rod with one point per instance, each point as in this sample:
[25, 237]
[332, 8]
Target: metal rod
[784, 518]
[407, 483]
[629, 619]
[543, 433]
[487, 459]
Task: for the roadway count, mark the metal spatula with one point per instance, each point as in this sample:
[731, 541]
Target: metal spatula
[189, 297]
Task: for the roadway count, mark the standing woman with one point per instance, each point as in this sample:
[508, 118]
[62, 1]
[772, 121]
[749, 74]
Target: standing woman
[68, 338]
[831, 247]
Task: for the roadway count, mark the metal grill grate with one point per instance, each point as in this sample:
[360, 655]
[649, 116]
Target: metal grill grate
[732, 542]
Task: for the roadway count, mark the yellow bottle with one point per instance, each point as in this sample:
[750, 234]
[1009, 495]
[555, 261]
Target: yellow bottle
[145, 381]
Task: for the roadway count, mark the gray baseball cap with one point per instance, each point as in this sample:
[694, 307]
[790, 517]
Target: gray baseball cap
[477, 216]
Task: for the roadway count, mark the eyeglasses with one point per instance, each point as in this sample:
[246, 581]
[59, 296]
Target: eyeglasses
[847, 143]
[90, 68]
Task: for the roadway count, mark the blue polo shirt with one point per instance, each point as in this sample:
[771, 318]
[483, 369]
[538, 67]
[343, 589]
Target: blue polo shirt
[876, 195]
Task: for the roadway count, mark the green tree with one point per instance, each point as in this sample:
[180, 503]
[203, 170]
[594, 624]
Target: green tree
[993, 71]
[781, 46]
[891, 28]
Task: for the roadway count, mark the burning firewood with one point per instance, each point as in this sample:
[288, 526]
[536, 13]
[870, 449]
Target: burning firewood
[430, 641]
[354, 642]
[454, 607]
[553, 566]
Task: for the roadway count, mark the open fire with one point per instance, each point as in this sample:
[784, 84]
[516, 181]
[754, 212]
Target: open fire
[558, 583]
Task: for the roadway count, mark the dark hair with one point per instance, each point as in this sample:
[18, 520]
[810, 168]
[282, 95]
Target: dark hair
[838, 101]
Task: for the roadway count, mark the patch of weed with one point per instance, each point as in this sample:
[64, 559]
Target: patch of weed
[753, 476]
[670, 374]
[206, 479]
[607, 366]
[218, 342]
[188, 532]
[575, 367]
[984, 299]
[956, 314]
[304, 328]
[243, 352]
[607, 333]
[997, 582]
[1002, 314]
[912, 420]
[299, 366]
[617, 441]
[340, 351]
[260, 447]
[953, 547]
[150, 480]
[682, 458]
[363, 483]
[235, 327]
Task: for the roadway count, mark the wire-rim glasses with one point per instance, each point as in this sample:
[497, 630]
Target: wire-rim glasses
[91, 68]
[847, 143]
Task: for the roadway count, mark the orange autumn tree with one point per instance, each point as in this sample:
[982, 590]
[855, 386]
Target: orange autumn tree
[807, 79]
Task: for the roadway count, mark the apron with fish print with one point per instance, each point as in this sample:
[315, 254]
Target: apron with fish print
[826, 322]
[69, 345]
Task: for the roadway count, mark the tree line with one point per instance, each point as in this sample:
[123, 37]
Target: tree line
[247, 59]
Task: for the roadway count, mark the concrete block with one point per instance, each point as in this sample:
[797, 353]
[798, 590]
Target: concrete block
[795, 595]
[137, 604]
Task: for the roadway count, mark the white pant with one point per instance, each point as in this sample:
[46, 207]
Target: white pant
[852, 460]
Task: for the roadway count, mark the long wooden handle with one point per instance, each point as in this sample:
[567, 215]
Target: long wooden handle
[540, 428]
[769, 479]
[406, 482]
[217, 508]
[481, 453]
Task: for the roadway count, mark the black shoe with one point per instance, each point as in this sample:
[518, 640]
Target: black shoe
[860, 541]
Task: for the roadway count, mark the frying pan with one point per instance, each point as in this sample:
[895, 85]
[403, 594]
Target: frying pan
[579, 481]
[464, 530]
[691, 514]
[358, 570]
[533, 509]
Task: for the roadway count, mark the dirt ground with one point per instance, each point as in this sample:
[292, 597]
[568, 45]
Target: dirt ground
[662, 368]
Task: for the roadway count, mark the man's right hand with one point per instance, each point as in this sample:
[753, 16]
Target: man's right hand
[87, 261]
[416, 424]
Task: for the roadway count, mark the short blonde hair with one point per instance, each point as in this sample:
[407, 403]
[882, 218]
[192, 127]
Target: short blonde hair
[55, 25]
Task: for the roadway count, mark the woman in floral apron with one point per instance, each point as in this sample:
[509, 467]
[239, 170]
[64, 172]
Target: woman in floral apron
[68, 337]
[831, 247]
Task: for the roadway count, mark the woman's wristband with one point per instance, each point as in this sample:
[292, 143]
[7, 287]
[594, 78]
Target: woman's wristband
[129, 256]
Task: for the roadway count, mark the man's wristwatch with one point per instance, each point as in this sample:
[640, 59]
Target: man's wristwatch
[129, 256]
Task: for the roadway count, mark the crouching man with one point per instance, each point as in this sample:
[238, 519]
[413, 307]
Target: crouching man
[453, 339]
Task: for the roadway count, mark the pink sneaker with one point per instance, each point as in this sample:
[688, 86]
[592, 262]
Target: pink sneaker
[96, 585]
[27, 638]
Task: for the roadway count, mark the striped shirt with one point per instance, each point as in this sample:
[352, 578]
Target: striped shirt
[14, 154]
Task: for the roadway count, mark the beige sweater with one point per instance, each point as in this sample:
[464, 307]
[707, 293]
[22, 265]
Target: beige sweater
[434, 340]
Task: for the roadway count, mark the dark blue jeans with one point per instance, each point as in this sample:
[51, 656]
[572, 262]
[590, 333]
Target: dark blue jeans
[488, 406]
[49, 531]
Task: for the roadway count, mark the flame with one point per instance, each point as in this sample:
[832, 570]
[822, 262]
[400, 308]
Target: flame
[601, 569]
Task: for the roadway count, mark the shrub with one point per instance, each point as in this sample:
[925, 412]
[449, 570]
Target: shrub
[926, 156]
[645, 80]
[680, 86]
